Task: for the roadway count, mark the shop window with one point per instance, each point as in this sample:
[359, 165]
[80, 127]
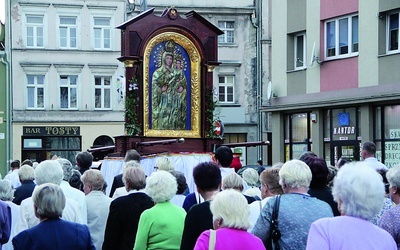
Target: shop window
[389, 138]
[42, 143]
[297, 132]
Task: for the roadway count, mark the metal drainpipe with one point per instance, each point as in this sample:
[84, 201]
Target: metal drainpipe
[259, 76]
[9, 92]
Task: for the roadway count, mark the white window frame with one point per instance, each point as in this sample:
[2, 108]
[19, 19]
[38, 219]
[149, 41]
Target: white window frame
[388, 38]
[296, 57]
[102, 28]
[102, 88]
[350, 52]
[69, 28]
[225, 85]
[35, 27]
[226, 30]
[35, 87]
[70, 88]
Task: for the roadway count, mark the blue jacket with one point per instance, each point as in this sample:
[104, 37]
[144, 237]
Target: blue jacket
[54, 234]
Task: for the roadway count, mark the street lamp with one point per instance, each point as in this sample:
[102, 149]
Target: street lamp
[130, 6]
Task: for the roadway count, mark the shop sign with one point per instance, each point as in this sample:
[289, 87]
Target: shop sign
[344, 130]
[52, 131]
[394, 134]
[392, 149]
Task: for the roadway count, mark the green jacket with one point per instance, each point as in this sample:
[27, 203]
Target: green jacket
[160, 227]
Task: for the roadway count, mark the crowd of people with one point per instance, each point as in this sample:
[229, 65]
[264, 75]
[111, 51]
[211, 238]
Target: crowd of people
[300, 204]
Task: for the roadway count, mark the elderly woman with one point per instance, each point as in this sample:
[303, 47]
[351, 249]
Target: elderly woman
[179, 197]
[125, 211]
[26, 175]
[234, 181]
[49, 202]
[230, 219]
[98, 205]
[297, 209]
[161, 226]
[6, 195]
[250, 175]
[270, 187]
[121, 191]
[165, 164]
[390, 221]
[359, 191]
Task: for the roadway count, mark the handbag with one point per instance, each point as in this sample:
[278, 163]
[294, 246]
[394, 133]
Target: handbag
[275, 234]
[213, 238]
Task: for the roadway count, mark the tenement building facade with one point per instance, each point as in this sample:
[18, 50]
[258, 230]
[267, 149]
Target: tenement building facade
[335, 81]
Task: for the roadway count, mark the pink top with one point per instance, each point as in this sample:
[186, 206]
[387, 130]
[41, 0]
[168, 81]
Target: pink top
[229, 238]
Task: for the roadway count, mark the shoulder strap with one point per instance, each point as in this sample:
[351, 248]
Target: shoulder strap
[213, 238]
[276, 211]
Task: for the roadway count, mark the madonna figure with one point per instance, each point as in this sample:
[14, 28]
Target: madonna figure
[169, 91]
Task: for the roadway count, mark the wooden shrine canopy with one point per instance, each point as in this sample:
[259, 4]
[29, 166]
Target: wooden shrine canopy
[169, 61]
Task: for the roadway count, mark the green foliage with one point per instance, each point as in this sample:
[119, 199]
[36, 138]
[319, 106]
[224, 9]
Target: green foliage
[132, 125]
[211, 105]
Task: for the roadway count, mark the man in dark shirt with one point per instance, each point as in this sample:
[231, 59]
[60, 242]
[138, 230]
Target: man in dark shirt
[207, 177]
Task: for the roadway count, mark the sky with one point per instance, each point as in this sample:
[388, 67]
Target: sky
[2, 11]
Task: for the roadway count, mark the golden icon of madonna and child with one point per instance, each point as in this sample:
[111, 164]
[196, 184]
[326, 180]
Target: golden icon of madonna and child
[170, 105]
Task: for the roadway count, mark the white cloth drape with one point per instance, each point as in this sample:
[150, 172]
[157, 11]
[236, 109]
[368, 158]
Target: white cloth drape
[182, 162]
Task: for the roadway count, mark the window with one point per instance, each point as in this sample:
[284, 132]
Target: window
[68, 29]
[35, 89]
[393, 32]
[299, 51]
[102, 33]
[387, 134]
[68, 93]
[34, 31]
[297, 135]
[341, 37]
[226, 87]
[102, 92]
[229, 32]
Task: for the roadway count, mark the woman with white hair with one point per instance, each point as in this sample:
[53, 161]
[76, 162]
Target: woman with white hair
[231, 221]
[26, 176]
[390, 221]
[297, 209]
[49, 202]
[161, 226]
[6, 195]
[165, 164]
[234, 181]
[121, 191]
[250, 175]
[359, 191]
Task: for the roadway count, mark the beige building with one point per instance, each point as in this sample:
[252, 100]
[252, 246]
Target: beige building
[64, 76]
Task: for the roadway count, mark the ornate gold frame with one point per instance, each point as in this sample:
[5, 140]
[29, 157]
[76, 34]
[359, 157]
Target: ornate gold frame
[195, 97]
